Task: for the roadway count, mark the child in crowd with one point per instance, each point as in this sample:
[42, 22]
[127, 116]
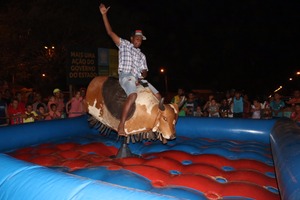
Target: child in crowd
[295, 116]
[256, 109]
[191, 104]
[15, 112]
[224, 108]
[57, 98]
[277, 106]
[53, 113]
[30, 114]
[76, 105]
[213, 108]
[41, 112]
[208, 102]
[198, 112]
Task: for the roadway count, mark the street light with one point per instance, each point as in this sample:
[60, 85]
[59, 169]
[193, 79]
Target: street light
[49, 51]
[163, 71]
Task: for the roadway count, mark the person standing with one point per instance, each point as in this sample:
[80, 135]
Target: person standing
[179, 99]
[76, 105]
[15, 112]
[132, 66]
[237, 105]
[58, 100]
[191, 104]
[277, 106]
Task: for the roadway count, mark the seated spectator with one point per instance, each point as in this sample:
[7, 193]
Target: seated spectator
[41, 112]
[30, 114]
[15, 112]
[53, 113]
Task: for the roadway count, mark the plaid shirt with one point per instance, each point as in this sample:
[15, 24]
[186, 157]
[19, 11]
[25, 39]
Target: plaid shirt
[131, 59]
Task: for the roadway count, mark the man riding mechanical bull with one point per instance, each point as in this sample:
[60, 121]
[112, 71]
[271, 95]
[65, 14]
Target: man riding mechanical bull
[142, 110]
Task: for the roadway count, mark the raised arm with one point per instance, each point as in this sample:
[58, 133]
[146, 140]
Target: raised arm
[114, 37]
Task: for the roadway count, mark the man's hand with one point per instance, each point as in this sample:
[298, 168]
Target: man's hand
[144, 73]
[103, 9]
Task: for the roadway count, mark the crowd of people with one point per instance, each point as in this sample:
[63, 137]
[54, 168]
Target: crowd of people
[236, 104]
[15, 109]
[20, 108]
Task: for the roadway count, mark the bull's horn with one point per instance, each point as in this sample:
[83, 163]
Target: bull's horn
[161, 104]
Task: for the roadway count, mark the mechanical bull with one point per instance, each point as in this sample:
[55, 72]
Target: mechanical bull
[149, 119]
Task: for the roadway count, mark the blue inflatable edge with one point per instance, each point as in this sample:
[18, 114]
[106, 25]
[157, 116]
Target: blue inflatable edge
[19, 178]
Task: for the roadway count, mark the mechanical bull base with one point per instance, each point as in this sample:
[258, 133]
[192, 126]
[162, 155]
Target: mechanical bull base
[149, 119]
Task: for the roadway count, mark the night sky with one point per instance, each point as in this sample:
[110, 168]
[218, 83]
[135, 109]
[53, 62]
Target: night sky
[251, 45]
[248, 45]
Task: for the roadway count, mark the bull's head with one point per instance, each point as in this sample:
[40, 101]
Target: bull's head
[166, 120]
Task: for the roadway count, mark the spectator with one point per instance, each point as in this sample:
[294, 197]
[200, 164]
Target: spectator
[179, 99]
[229, 96]
[208, 102]
[21, 103]
[7, 96]
[266, 112]
[256, 108]
[277, 106]
[82, 94]
[15, 113]
[295, 99]
[38, 101]
[213, 108]
[76, 105]
[198, 112]
[224, 108]
[41, 112]
[295, 116]
[53, 112]
[238, 105]
[247, 107]
[58, 100]
[191, 104]
[30, 114]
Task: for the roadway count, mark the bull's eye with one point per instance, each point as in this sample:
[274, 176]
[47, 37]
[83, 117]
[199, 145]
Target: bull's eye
[164, 118]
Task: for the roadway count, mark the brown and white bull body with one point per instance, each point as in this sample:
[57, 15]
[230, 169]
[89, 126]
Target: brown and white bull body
[148, 116]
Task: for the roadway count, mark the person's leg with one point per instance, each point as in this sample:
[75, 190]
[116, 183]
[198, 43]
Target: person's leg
[126, 107]
[128, 83]
[154, 91]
